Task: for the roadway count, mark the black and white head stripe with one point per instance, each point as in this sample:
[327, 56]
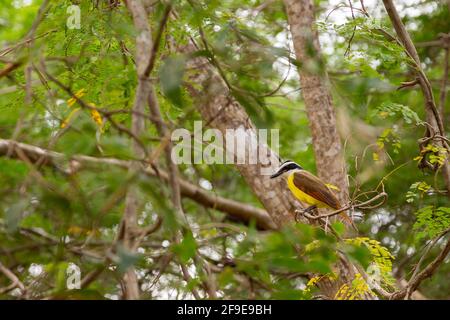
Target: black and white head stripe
[289, 165]
[286, 166]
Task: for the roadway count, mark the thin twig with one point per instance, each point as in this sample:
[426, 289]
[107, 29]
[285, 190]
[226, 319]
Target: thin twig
[14, 279]
[426, 273]
[362, 205]
[157, 40]
[443, 93]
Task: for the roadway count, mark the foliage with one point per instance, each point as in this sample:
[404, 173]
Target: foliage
[420, 187]
[431, 221]
[381, 258]
[357, 290]
[389, 109]
[55, 216]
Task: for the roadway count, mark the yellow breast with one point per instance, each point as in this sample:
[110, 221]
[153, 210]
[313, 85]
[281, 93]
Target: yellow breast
[303, 197]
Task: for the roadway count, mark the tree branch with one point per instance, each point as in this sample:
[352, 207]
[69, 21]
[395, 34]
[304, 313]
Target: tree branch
[426, 273]
[14, 279]
[143, 48]
[432, 113]
[69, 165]
[362, 205]
[409, 47]
[164, 132]
[156, 42]
[443, 93]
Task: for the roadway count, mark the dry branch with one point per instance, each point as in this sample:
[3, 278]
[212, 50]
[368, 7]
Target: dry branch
[236, 210]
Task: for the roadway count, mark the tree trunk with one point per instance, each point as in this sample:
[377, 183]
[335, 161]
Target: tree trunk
[320, 111]
[220, 111]
[319, 106]
[132, 205]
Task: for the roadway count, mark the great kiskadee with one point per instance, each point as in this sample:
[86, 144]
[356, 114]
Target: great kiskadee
[308, 188]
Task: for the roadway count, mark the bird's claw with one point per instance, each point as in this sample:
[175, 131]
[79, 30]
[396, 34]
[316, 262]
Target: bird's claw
[304, 212]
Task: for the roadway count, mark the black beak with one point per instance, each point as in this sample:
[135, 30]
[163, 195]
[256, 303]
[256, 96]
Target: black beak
[276, 174]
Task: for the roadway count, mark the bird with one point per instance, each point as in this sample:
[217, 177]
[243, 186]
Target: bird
[309, 189]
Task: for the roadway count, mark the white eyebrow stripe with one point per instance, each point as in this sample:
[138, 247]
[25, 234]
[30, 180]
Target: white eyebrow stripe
[286, 164]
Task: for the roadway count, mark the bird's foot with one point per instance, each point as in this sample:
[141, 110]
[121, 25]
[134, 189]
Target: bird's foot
[310, 208]
[305, 212]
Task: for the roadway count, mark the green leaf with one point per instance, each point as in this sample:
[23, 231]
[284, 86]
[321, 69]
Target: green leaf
[186, 249]
[126, 259]
[14, 214]
[431, 221]
[339, 227]
[171, 78]
[392, 109]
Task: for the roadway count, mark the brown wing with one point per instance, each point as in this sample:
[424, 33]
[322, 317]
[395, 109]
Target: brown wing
[313, 186]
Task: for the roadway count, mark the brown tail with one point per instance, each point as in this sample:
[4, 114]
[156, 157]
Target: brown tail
[344, 216]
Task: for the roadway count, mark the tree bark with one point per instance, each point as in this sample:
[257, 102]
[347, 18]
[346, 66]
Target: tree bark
[143, 48]
[220, 111]
[327, 146]
[320, 111]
